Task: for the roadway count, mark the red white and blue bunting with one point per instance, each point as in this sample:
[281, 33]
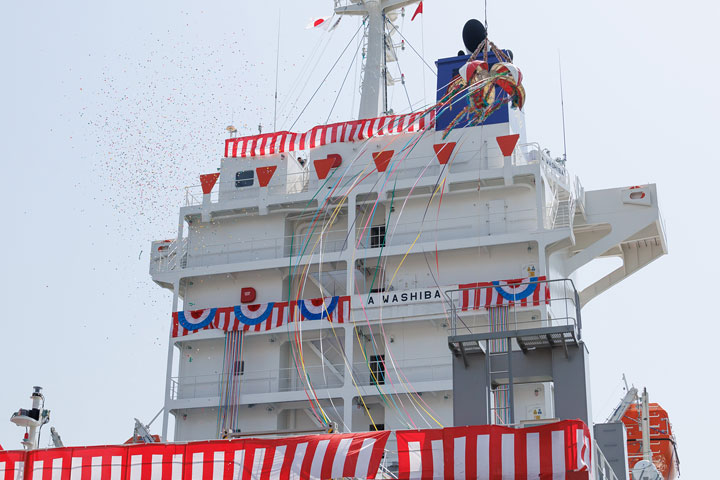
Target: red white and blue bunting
[261, 317]
[522, 292]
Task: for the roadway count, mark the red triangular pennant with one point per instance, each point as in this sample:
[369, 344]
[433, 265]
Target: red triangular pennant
[323, 165]
[443, 151]
[382, 159]
[419, 9]
[264, 174]
[507, 143]
[207, 182]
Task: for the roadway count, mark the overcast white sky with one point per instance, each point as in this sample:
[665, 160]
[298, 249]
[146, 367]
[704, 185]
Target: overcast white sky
[110, 108]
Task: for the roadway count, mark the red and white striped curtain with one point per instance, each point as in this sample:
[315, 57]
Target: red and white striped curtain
[555, 451]
[308, 457]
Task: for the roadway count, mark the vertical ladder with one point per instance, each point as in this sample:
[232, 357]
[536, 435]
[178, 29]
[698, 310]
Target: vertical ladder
[500, 399]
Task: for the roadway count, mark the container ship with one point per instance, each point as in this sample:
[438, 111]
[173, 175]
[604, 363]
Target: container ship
[393, 296]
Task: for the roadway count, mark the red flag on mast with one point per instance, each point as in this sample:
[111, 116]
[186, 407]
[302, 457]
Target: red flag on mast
[419, 9]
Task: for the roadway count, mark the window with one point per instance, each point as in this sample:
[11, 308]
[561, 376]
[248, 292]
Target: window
[376, 428]
[244, 178]
[377, 369]
[239, 367]
[377, 236]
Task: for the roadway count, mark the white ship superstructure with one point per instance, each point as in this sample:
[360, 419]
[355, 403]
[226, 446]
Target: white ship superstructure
[394, 220]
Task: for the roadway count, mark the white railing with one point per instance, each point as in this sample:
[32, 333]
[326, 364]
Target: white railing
[168, 256]
[288, 184]
[431, 230]
[560, 213]
[402, 372]
[466, 160]
[555, 170]
[195, 254]
[266, 248]
[254, 382]
[561, 309]
[579, 195]
[601, 467]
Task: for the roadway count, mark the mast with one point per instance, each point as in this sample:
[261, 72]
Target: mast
[374, 85]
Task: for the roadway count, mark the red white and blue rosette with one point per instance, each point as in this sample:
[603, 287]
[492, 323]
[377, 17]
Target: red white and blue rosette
[253, 314]
[196, 319]
[317, 308]
[514, 291]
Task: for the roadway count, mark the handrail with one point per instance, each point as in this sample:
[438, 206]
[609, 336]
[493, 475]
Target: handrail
[602, 468]
[524, 154]
[324, 376]
[397, 234]
[561, 309]
[259, 381]
[409, 370]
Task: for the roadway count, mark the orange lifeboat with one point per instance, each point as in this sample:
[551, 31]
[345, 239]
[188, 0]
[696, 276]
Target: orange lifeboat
[662, 441]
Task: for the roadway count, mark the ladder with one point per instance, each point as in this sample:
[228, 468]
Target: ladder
[500, 399]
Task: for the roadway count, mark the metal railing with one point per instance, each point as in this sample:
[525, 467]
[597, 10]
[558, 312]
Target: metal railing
[406, 371]
[196, 254]
[431, 230]
[559, 214]
[486, 157]
[266, 248]
[560, 307]
[254, 382]
[287, 184]
[413, 370]
[169, 256]
[601, 467]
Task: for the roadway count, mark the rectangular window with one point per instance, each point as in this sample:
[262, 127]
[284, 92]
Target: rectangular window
[377, 236]
[239, 367]
[244, 178]
[376, 428]
[377, 369]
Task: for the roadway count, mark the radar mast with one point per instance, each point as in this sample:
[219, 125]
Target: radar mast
[373, 97]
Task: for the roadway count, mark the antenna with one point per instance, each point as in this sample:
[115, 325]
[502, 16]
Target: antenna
[562, 108]
[486, 25]
[277, 73]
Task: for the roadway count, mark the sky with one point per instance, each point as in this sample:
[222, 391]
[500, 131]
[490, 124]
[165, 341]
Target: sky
[109, 109]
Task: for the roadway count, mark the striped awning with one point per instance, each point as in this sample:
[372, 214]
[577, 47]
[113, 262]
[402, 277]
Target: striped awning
[280, 142]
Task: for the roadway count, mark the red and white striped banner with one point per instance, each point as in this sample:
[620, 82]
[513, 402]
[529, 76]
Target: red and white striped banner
[280, 142]
[556, 451]
[522, 292]
[12, 465]
[261, 317]
[310, 457]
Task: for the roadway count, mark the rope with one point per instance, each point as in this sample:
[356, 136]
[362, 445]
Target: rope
[413, 49]
[352, 62]
[351, 183]
[230, 385]
[326, 77]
